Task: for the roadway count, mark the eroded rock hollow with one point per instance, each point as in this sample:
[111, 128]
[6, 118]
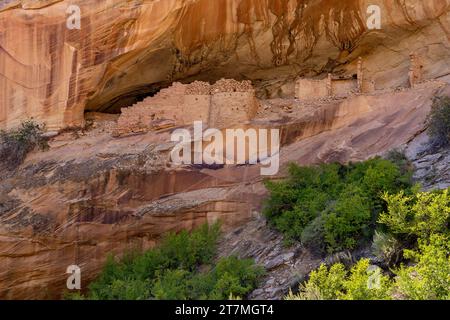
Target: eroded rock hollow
[125, 50]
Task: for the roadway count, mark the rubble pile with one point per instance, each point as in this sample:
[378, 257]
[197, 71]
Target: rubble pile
[231, 85]
[198, 88]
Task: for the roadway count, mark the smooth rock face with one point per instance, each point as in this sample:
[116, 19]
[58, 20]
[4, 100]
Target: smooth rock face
[127, 49]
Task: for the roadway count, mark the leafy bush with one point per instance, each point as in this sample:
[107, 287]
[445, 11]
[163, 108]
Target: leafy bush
[182, 267]
[419, 215]
[429, 279]
[336, 283]
[333, 207]
[400, 159]
[323, 284]
[230, 277]
[422, 216]
[347, 219]
[439, 122]
[16, 144]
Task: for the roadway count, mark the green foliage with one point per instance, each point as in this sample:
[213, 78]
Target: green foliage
[16, 144]
[439, 122]
[182, 267]
[429, 279]
[332, 207]
[172, 285]
[230, 277]
[348, 219]
[420, 215]
[233, 276]
[366, 283]
[336, 283]
[323, 284]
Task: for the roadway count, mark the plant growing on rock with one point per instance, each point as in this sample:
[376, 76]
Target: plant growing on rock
[439, 122]
[16, 144]
[182, 267]
[419, 215]
[333, 207]
[336, 283]
[429, 278]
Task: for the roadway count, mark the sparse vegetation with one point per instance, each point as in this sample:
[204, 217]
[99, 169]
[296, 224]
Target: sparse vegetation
[182, 267]
[333, 207]
[16, 144]
[439, 122]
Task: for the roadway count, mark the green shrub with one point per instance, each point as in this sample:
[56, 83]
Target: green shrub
[335, 283]
[235, 277]
[402, 162]
[366, 282]
[419, 215]
[172, 285]
[439, 122]
[182, 267]
[16, 144]
[229, 277]
[323, 284]
[429, 279]
[347, 220]
[333, 207]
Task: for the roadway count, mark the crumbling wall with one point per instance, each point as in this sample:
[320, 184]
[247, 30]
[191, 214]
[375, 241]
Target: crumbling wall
[227, 102]
[368, 86]
[311, 89]
[230, 108]
[197, 102]
[160, 111]
[415, 70]
[232, 102]
[196, 108]
[344, 87]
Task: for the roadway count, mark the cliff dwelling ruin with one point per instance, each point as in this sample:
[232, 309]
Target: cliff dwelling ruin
[226, 102]
[343, 86]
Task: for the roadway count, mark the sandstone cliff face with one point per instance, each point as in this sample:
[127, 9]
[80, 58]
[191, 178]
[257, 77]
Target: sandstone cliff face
[95, 194]
[127, 49]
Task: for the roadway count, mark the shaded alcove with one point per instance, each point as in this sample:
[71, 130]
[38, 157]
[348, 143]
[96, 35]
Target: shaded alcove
[126, 99]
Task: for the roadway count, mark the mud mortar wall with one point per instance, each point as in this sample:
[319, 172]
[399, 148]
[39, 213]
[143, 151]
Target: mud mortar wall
[342, 88]
[196, 108]
[230, 108]
[311, 89]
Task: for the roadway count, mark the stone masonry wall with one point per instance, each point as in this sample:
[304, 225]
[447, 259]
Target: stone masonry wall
[227, 102]
[196, 107]
[342, 88]
[311, 89]
[230, 108]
